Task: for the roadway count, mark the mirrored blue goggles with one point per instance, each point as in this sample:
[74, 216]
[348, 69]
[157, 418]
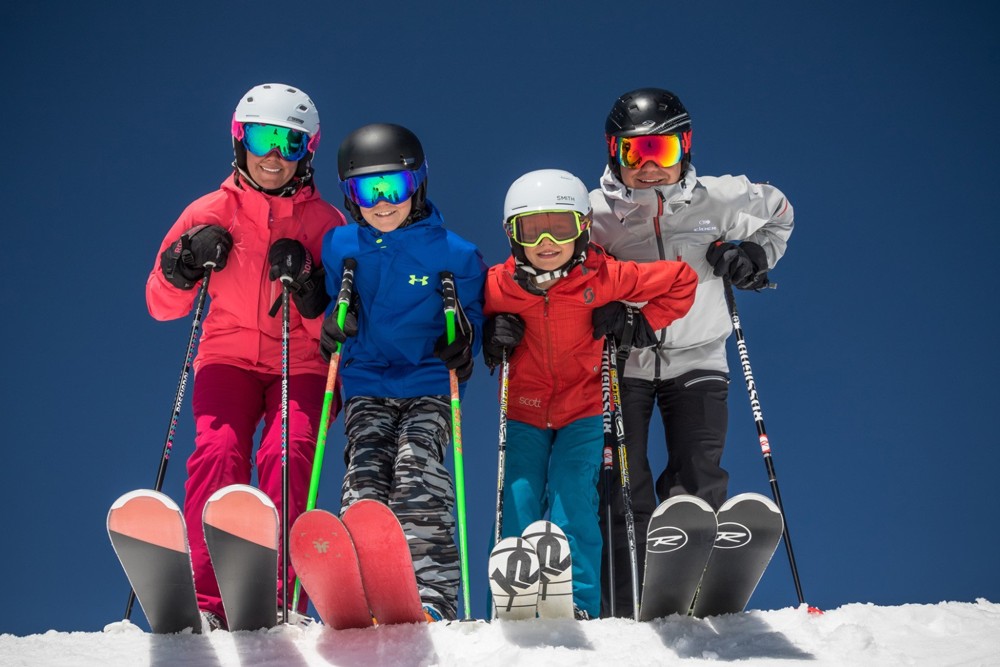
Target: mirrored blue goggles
[392, 186]
[261, 139]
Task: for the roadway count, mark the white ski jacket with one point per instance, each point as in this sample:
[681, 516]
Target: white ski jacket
[679, 222]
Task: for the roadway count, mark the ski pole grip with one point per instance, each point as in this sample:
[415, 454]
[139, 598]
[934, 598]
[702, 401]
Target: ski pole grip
[450, 299]
[344, 295]
[346, 288]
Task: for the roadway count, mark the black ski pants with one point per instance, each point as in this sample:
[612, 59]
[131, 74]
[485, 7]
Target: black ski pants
[695, 418]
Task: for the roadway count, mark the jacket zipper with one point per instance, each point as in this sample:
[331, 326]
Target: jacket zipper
[663, 255]
[548, 355]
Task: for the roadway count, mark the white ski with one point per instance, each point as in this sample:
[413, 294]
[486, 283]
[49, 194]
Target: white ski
[555, 588]
[514, 578]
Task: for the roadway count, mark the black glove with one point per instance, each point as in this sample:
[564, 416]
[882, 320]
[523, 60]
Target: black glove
[501, 334]
[457, 356]
[745, 264]
[612, 318]
[331, 334]
[183, 262]
[290, 258]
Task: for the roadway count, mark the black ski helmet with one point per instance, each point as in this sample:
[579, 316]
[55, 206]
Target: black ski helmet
[646, 111]
[377, 148]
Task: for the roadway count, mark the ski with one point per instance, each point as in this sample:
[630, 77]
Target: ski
[514, 579]
[241, 531]
[681, 534]
[326, 563]
[555, 567]
[385, 563]
[750, 528]
[148, 534]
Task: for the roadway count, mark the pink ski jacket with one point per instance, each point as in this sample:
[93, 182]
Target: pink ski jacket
[238, 329]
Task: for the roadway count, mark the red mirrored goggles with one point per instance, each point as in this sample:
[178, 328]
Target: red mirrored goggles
[664, 150]
[530, 229]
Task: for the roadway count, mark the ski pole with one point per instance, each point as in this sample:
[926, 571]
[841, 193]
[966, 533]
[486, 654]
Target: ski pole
[765, 445]
[501, 451]
[450, 309]
[607, 471]
[285, 317]
[633, 548]
[168, 445]
[502, 448]
[343, 301]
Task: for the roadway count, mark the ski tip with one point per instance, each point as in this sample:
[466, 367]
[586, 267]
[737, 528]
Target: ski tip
[144, 493]
[814, 611]
[541, 528]
[242, 488]
[681, 500]
[750, 497]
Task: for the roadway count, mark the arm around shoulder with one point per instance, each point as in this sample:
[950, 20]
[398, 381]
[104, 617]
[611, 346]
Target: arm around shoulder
[673, 285]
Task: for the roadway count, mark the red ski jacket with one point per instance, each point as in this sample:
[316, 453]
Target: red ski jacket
[555, 373]
[238, 329]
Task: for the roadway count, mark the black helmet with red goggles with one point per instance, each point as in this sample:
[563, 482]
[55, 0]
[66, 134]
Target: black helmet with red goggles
[647, 112]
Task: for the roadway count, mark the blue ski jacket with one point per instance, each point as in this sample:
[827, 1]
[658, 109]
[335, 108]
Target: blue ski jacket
[397, 288]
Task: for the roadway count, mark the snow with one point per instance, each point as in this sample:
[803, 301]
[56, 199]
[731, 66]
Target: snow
[948, 633]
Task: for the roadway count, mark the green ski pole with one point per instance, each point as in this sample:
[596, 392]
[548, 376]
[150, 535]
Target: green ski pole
[450, 309]
[343, 301]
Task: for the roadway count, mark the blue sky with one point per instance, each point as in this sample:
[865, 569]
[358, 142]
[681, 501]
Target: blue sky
[875, 357]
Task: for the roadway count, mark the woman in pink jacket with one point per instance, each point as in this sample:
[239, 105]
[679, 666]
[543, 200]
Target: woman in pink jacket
[267, 215]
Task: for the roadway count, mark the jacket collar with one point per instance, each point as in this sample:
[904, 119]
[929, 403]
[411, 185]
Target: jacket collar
[270, 207]
[625, 201]
[433, 219]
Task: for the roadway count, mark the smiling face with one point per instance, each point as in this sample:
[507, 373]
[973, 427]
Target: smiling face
[271, 171]
[549, 255]
[386, 217]
[650, 174]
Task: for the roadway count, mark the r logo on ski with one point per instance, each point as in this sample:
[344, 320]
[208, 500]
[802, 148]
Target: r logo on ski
[321, 546]
[732, 535]
[666, 539]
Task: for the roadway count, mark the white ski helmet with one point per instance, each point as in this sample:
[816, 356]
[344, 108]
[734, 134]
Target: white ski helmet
[281, 105]
[284, 106]
[546, 190]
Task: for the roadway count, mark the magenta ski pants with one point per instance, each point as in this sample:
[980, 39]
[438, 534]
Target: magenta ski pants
[228, 404]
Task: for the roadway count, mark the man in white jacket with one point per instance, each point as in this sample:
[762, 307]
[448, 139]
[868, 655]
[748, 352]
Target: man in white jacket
[652, 205]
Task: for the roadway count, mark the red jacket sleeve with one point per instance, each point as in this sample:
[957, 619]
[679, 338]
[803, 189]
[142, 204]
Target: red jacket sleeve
[667, 288]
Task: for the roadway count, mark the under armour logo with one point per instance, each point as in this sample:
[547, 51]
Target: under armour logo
[414, 280]
[321, 546]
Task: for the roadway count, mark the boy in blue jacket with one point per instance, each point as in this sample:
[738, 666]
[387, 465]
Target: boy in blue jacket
[396, 359]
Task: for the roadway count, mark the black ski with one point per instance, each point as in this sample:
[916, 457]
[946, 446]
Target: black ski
[679, 542]
[241, 531]
[149, 536]
[750, 528]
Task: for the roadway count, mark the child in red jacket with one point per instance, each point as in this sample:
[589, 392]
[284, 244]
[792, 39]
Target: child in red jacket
[549, 308]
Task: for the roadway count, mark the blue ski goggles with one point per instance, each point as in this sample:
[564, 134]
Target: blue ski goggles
[392, 186]
[260, 139]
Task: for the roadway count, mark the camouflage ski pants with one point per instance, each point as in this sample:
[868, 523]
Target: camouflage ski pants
[395, 454]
